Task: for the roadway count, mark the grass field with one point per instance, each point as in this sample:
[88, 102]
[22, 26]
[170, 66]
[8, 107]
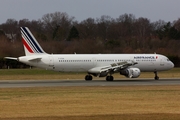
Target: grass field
[87, 103]
[39, 74]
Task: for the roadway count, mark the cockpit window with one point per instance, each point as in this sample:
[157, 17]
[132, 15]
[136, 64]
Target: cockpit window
[168, 60]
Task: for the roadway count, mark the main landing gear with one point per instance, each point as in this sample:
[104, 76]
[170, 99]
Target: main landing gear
[156, 76]
[109, 78]
[88, 77]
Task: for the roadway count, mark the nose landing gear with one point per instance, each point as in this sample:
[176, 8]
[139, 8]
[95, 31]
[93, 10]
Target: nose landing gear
[156, 76]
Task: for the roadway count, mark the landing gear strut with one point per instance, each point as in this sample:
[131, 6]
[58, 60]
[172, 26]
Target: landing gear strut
[109, 78]
[88, 77]
[156, 77]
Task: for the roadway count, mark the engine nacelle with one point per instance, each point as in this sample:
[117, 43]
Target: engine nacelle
[131, 72]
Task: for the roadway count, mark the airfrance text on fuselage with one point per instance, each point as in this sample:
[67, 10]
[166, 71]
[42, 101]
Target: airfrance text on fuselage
[144, 57]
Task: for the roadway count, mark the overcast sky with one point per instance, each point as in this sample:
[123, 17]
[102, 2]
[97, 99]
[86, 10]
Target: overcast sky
[167, 10]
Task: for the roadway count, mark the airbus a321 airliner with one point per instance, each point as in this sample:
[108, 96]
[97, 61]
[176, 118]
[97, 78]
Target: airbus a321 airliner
[98, 65]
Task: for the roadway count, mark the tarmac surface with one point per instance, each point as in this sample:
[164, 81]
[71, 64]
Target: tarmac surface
[58, 83]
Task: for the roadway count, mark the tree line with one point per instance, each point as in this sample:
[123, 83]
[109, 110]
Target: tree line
[60, 33]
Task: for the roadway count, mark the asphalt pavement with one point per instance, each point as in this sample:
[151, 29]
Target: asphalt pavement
[58, 83]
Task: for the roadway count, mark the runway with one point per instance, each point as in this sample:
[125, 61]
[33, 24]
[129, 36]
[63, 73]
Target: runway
[58, 83]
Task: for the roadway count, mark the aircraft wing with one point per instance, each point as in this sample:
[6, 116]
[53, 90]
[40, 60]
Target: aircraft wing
[112, 68]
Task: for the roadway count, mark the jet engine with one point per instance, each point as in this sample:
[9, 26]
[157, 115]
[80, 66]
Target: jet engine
[131, 72]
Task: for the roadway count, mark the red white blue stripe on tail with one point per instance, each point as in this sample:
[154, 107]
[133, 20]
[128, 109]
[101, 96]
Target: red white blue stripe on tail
[31, 46]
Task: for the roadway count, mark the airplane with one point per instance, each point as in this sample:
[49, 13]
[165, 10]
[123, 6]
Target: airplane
[98, 65]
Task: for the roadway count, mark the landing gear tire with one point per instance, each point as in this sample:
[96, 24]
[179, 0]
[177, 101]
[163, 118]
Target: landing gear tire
[156, 76]
[109, 78]
[88, 77]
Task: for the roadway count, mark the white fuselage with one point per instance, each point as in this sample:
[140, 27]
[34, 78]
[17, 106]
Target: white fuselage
[85, 62]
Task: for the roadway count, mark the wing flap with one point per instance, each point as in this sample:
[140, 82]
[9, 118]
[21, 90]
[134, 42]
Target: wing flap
[114, 67]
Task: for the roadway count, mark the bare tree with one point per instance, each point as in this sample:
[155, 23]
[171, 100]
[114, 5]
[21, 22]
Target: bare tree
[87, 29]
[158, 25]
[57, 24]
[103, 25]
[10, 29]
[24, 22]
[177, 24]
[125, 25]
[143, 31]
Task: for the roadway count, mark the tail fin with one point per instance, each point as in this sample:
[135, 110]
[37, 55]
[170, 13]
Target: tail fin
[31, 46]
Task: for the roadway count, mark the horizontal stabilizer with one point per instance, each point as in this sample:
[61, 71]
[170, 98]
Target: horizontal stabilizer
[35, 59]
[11, 58]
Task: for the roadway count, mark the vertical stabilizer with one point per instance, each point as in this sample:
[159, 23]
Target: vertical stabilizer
[31, 46]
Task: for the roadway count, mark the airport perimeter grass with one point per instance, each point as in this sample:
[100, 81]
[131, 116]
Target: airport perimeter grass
[40, 74]
[87, 103]
[91, 103]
